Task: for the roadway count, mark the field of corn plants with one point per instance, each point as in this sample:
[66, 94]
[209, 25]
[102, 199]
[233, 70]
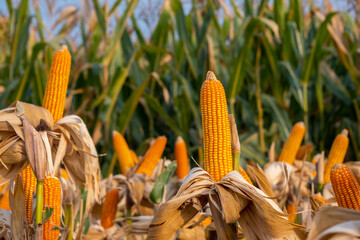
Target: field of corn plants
[225, 120]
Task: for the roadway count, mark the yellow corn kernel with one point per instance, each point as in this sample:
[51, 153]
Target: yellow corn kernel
[345, 186]
[52, 199]
[181, 158]
[29, 185]
[122, 152]
[4, 200]
[152, 156]
[320, 198]
[244, 174]
[56, 87]
[216, 129]
[337, 153]
[292, 144]
[134, 156]
[109, 209]
[291, 210]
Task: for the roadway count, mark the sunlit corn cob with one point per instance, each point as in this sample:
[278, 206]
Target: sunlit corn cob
[56, 88]
[216, 129]
[122, 152]
[152, 156]
[306, 149]
[64, 174]
[337, 153]
[182, 159]
[134, 156]
[320, 198]
[29, 185]
[292, 144]
[109, 209]
[4, 200]
[244, 174]
[291, 210]
[345, 186]
[52, 198]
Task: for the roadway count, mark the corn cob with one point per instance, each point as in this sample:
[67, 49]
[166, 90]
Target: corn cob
[337, 153]
[216, 129]
[123, 153]
[292, 144]
[152, 156]
[52, 198]
[64, 174]
[134, 156]
[29, 185]
[55, 93]
[181, 157]
[306, 149]
[291, 210]
[109, 209]
[4, 200]
[320, 198]
[345, 186]
[244, 174]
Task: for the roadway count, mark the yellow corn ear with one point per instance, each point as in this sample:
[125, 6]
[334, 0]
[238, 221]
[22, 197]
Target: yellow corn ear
[4, 200]
[292, 144]
[337, 153]
[244, 174]
[152, 156]
[216, 128]
[181, 157]
[52, 199]
[134, 156]
[345, 186]
[56, 87]
[291, 210]
[320, 198]
[64, 174]
[109, 209]
[29, 185]
[306, 149]
[122, 152]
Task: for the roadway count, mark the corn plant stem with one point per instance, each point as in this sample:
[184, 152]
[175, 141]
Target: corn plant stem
[236, 160]
[306, 112]
[39, 201]
[258, 98]
[68, 220]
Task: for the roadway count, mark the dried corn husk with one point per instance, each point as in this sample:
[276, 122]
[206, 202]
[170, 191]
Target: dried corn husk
[229, 198]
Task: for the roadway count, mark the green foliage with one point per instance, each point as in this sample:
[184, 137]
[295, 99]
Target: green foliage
[277, 63]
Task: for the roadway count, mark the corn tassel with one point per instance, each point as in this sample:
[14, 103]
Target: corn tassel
[345, 186]
[292, 144]
[52, 198]
[109, 209]
[56, 88]
[181, 157]
[134, 156]
[122, 152]
[216, 129]
[152, 156]
[337, 153]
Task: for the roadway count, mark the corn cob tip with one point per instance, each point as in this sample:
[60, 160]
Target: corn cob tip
[179, 139]
[114, 133]
[345, 132]
[301, 124]
[211, 76]
[63, 47]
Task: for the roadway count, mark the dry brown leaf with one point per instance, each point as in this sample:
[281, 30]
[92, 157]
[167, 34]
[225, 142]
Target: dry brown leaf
[18, 216]
[335, 223]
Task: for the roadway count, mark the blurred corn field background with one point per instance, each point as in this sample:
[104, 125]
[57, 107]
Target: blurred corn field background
[139, 71]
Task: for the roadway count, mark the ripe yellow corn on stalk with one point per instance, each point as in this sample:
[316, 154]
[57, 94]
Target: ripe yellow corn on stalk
[306, 149]
[337, 153]
[109, 209]
[64, 174]
[244, 174]
[122, 152]
[320, 198]
[52, 198]
[181, 157]
[345, 186]
[216, 129]
[152, 156]
[134, 156]
[291, 210]
[56, 88]
[4, 200]
[29, 185]
[292, 144]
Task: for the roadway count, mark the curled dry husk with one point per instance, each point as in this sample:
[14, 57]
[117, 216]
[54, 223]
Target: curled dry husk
[229, 198]
[69, 141]
[335, 223]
